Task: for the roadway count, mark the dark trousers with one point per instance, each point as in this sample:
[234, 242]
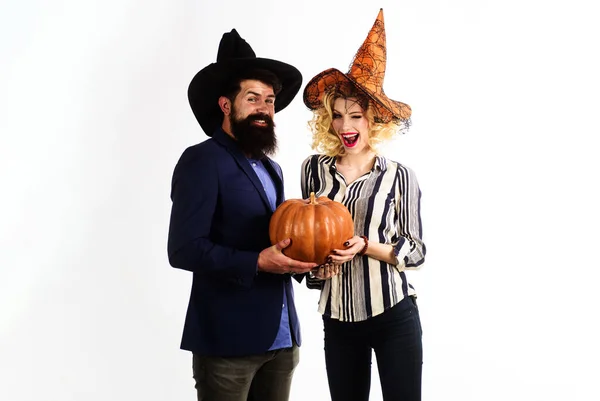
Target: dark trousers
[264, 377]
[395, 335]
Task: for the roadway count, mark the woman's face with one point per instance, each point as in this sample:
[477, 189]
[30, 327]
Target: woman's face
[351, 125]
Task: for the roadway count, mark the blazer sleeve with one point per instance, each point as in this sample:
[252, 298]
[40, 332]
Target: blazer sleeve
[194, 195]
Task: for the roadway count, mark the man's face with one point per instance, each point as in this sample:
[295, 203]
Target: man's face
[252, 119]
[255, 97]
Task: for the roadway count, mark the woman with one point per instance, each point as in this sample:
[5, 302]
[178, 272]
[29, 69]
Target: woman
[367, 303]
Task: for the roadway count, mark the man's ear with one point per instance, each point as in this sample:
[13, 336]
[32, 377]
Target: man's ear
[225, 105]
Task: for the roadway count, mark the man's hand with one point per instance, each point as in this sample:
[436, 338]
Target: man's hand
[272, 260]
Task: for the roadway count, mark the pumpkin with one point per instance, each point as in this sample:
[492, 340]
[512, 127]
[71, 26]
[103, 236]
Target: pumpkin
[315, 225]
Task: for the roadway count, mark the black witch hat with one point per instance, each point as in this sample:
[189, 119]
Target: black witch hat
[235, 55]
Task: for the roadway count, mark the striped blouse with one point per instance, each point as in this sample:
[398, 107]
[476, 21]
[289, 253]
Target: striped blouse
[385, 206]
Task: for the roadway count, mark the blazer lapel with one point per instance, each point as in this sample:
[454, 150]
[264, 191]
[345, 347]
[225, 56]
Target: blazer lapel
[244, 164]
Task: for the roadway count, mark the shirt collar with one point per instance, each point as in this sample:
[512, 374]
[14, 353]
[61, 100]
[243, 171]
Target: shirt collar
[379, 165]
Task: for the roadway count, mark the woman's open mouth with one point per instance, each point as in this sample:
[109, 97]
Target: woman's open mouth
[350, 139]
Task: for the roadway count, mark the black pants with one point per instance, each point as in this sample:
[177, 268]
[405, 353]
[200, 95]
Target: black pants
[395, 335]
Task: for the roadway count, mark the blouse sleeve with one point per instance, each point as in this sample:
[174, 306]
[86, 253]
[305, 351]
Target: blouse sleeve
[306, 186]
[410, 249]
[306, 178]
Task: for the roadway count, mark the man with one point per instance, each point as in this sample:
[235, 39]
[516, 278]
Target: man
[241, 322]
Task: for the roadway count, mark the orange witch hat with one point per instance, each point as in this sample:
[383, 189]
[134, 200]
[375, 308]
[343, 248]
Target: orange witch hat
[366, 73]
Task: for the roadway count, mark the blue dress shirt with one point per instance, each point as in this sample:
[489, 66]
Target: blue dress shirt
[284, 337]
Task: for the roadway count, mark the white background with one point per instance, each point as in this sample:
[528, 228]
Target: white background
[94, 115]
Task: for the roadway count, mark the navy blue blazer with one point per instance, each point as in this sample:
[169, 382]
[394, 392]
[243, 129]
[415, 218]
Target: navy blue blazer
[219, 224]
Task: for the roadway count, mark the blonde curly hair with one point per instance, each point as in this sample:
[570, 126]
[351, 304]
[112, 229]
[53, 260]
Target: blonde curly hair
[325, 140]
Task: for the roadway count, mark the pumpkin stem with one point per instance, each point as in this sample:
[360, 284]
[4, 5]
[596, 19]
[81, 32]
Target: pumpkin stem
[313, 201]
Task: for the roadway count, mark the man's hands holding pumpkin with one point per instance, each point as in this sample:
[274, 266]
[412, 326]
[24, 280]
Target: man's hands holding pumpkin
[272, 260]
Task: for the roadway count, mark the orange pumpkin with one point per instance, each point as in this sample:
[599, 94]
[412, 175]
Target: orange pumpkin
[316, 227]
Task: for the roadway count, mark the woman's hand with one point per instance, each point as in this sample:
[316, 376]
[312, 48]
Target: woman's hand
[325, 271]
[353, 246]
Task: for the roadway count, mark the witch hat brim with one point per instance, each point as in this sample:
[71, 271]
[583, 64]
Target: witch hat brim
[366, 74]
[235, 55]
[385, 109]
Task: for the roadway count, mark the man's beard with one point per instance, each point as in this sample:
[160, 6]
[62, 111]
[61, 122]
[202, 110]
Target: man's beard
[254, 141]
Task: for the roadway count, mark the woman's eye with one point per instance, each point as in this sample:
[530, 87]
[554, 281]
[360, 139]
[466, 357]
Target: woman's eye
[336, 116]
